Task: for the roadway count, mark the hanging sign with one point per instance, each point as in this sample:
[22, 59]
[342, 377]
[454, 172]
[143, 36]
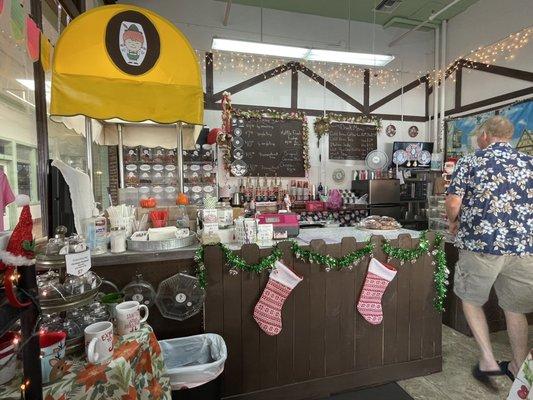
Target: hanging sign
[33, 35]
[17, 20]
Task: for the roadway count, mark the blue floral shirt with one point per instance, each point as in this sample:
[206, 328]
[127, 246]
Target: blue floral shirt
[497, 208]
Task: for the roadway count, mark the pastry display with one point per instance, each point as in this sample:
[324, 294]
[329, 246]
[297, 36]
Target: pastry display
[379, 222]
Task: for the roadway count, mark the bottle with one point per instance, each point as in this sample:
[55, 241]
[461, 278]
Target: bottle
[306, 191]
[320, 190]
[95, 232]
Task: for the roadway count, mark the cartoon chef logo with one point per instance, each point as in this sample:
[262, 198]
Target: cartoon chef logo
[132, 42]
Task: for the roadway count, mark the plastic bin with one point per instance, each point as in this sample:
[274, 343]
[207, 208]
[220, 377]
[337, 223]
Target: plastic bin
[194, 365]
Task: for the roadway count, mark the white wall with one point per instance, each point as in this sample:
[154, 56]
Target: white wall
[483, 23]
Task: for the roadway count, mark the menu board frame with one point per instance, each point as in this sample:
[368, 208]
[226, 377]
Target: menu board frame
[353, 143]
[271, 129]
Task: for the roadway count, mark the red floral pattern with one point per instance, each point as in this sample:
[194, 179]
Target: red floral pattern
[134, 373]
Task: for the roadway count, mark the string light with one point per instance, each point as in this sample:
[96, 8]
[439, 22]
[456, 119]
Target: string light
[249, 65]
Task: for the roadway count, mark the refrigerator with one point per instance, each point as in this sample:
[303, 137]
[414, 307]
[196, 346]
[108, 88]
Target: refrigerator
[383, 196]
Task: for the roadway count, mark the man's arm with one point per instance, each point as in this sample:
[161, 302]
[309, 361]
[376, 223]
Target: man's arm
[455, 193]
[453, 207]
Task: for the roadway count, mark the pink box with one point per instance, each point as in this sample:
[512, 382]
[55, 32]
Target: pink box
[285, 222]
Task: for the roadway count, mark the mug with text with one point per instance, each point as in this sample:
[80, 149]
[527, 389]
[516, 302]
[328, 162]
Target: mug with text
[128, 316]
[99, 342]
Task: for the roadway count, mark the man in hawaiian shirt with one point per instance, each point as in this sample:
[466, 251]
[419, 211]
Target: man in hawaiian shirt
[490, 208]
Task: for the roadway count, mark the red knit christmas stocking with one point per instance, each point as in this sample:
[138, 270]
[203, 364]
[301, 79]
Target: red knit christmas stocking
[377, 279]
[267, 312]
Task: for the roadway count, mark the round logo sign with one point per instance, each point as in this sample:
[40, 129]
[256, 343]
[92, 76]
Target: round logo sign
[132, 42]
[180, 298]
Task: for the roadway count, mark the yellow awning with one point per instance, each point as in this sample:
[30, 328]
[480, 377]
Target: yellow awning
[122, 61]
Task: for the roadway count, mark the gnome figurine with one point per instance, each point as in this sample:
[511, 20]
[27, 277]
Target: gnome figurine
[19, 251]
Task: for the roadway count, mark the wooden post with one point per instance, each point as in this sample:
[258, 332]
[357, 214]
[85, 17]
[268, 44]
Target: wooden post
[366, 91]
[41, 120]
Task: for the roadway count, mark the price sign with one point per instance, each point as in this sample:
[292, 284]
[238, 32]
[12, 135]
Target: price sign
[78, 263]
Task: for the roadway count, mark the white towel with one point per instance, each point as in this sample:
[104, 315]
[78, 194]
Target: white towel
[81, 193]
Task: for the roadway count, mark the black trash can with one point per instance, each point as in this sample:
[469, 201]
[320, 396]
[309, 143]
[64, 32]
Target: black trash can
[194, 365]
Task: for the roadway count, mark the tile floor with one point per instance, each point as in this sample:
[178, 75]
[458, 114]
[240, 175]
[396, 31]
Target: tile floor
[455, 382]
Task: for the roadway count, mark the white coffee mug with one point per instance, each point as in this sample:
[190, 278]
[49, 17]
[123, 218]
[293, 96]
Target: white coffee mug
[99, 342]
[128, 316]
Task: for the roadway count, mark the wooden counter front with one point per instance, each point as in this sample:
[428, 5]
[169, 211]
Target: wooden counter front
[325, 346]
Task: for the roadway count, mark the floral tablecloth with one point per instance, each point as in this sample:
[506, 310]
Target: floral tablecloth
[523, 384]
[134, 373]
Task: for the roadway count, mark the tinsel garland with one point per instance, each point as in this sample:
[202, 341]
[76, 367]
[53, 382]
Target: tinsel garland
[348, 261]
[322, 124]
[440, 276]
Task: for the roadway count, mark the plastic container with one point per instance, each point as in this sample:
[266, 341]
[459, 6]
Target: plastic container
[194, 365]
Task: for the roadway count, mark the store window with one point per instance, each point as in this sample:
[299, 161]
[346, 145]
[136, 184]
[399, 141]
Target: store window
[18, 135]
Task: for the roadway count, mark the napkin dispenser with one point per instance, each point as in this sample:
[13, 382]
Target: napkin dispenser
[285, 225]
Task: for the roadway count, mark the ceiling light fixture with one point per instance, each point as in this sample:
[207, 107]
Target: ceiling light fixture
[293, 52]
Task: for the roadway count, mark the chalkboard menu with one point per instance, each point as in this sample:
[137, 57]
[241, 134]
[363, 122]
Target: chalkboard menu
[351, 141]
[268, 146]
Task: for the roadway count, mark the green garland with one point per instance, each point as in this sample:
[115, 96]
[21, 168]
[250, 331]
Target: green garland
[348, 261]
[322, 124]
[441, 273]
[329, 262]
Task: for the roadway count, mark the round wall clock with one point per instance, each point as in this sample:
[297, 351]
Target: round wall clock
[390, 130]
[338, 175]
[413, 131]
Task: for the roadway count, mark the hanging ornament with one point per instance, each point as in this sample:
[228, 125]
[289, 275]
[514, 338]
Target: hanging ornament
[33, 36]
[17, 20]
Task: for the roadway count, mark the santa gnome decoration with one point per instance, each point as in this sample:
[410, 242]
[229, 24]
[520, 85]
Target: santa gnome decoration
[19, 251]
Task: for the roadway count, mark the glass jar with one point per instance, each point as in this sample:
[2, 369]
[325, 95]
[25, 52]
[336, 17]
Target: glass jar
[225, 215]
[118, 239]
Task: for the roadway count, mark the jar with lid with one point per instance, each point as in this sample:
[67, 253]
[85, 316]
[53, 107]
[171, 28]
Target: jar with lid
[225, 215]
[118, 239]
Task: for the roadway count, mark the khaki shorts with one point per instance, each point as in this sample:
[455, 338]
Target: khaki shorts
[511, 276]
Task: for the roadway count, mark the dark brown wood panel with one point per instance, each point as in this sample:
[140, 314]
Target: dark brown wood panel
[416, 311]
[323, 388]
[375, 332]
[333, 304]
[403, 283]
[251, 369]
[317, 304]
[361, 326]
[285, 345]
[390, 320]
[348, 308]
[233, 330]
[325, 346]
[268, 357]
[302, 322]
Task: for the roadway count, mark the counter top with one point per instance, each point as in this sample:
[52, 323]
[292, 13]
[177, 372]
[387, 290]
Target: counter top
[329, 235]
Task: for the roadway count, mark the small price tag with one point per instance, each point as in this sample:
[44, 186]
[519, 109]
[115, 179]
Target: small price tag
[78, 263]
